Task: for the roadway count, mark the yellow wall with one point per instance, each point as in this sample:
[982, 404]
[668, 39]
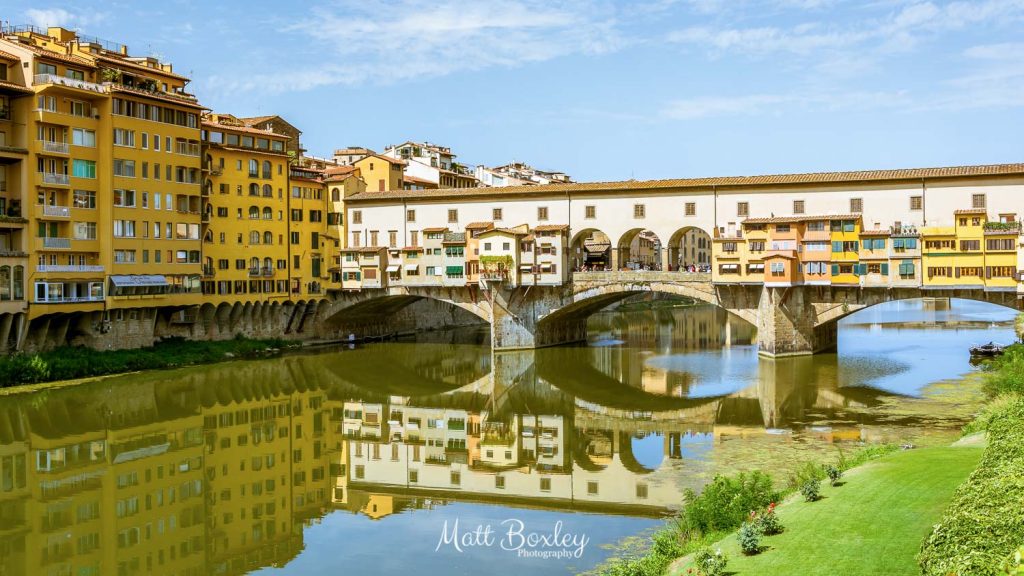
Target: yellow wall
[381, 173]
[846, 258]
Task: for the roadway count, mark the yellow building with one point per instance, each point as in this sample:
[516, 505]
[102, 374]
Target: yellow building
[738, 255]
[310, 247]
[845, 237]
[246, 233]
[381, 173]
[115, 194]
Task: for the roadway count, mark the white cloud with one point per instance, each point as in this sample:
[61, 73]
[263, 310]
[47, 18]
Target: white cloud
[381, 42]
[781, 104]
[44, 17]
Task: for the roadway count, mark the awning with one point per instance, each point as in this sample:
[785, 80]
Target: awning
[412, 267]
[453, 270]
[730, 266]
[756, 267]
[139, 280]
[393, 267]
[526, 267]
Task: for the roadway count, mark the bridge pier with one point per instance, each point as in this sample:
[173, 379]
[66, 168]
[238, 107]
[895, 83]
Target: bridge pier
[786, 319]
[516, 314]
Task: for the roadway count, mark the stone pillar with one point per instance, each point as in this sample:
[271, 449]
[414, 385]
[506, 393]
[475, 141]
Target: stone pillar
[518, 323]
[666, 258]
[785, 323]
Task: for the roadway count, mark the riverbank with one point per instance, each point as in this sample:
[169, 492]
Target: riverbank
[872, 523]
[75, 363]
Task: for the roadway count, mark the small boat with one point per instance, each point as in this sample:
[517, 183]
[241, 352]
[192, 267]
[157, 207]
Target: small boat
[988, 350]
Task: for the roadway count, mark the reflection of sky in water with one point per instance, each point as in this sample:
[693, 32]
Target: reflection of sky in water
[872, 352]
[350, 544]
[649, 450]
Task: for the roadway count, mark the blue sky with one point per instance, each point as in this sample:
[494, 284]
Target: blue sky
[604, 90]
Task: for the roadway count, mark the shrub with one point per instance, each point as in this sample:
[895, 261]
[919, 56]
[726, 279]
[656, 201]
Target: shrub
[750, 538]
[833, 473]
[710, 563]
[811, 490]
[726, 501]
[1006, 373]
[806, 473]
[985, 521]
[768, 521]
[1014, 565]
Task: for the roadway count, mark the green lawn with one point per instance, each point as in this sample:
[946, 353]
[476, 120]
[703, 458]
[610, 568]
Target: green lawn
[873, 523]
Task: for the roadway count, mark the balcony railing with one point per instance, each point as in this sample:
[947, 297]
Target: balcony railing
[60, 211]
[56, 242]
[187, 149]
[69, 82]
[267, 272]
[209, 271]
[54, 178]
[55, 147]
[69, 299]
[69, 268]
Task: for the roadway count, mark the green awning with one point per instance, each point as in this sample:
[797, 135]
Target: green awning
[453, 270]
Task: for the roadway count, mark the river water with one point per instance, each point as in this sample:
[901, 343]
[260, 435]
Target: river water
[363, 460]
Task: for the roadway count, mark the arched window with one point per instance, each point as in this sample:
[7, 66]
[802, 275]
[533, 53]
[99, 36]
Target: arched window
[254, 168]
[208, 237]
[268, 263]
[254, 237]
[208, 187]
[254, 212]
[254, 189]
[268, 238]
[254, 263]
[5, 282]
[267, 169]
[268, 214]
[336, 194]
[268, 191]
[19, 282]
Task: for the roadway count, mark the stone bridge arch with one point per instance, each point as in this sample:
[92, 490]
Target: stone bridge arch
[846, 302]
[372, 311]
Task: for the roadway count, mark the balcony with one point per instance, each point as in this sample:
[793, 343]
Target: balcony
[69, 268]
[209, 271]
[267, 272]
[55, 211]
[54, 178]
[69, 83]
[187, 149]
[68, 300]
[53, 242]
[55, 147]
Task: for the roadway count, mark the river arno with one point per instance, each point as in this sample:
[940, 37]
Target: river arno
[355, 461]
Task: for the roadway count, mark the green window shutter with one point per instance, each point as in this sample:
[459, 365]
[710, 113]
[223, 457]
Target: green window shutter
[856, 246]
[911, 243]
[835, 269]
[885, 269]
[897, 242]
[880, 244]
[837, 246]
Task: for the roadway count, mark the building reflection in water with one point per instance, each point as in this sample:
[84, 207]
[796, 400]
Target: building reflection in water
[219, 469]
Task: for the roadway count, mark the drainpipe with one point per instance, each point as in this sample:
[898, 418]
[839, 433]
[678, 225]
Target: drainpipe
[924, 203]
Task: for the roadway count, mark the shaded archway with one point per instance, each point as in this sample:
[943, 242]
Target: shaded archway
[591, 249]
[689, 248]
[640, 249]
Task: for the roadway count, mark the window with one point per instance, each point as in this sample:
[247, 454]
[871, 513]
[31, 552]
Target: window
[916, 202]
[124, 198]
[545, 484]
[83, 137]
[124, 168]
[453, 216]
[691, 209]
[777, 268]
[999, 244]
[592, 488]
[639, 211]
[907, 269]
[856, 205]
[970, 245]
[84, 199]
[977, 201]
[816, 226]
[743, 209]
[83, 168]
[496, 213]
[590, 212]
[357, 216]
[798, 206]
[410, 215]
[756, 245]
[542, 213]
[730, 247]
[124, 137]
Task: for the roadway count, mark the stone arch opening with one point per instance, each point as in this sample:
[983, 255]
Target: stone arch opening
[591, 249]
[640, 249]
[689, 248]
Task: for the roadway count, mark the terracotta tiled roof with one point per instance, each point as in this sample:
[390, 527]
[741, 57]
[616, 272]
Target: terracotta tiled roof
[478, 225]
[245, 129]
[413, 249]
[165, 96]
[44, 53]
[866, 176]
[799, 218]
[971, 211]
[8, 56]
[550, 227]
[875, 233]
[127, 63]
[433, 230]
[340, 170]
[13, 86]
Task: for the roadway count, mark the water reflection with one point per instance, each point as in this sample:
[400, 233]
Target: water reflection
[228, 468]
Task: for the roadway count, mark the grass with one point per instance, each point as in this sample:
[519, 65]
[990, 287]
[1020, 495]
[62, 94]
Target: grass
[69, 363]
[873, 523]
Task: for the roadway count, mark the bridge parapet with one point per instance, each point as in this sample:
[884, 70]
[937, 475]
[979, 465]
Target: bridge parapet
[633, 276]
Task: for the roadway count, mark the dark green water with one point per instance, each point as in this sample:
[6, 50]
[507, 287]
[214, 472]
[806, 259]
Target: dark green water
[356, 461]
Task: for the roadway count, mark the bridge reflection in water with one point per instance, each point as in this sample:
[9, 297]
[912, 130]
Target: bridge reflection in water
[220, 469]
